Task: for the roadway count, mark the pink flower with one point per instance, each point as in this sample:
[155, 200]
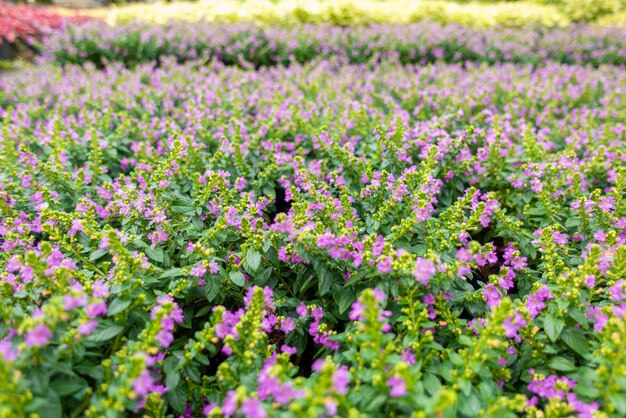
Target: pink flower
[287, 325]
[252, 408]
[38, 336]
[397, 386]
[96, 309]
[77, 226]
[87, 328]
[6, 351]
[424, 270]
[198, 270]
[341, 380]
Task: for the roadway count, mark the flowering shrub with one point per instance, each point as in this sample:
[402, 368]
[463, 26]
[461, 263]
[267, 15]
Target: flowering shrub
[328, 239]
[250, 45]
[27, 22]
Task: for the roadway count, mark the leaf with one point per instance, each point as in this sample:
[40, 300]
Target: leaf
[178, 398]
[97, 254]
[118, 305]
[465, 340]
[323, 275]
[576, 341]
[175, 272]
[170, 369]
[237, 278]
[619, 401]
[51, 408]
[67, 385]
[562, 364]
[106, 334]
[212, 288]
[553, 327]
[465, 385]
[346, 300]
[431, 383]
[377, 402]
[253, 260]
[155, 253]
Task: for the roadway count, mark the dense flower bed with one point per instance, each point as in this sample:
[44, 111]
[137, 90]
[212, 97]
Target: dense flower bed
[246, 44]
[26, 22]
[317, 240]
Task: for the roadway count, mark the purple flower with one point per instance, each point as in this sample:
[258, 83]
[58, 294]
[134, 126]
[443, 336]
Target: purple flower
[317, 313]
[142, 384]
[492, 295]
[252, 408]
[536, 301]
[331, 406]
[287, 325]
[198, 270]
[87, 327]
[356, 312]
[230, 403]
[617, 292]
[38, 336]
[424, 270]
[341, 380]
[96, 309]
[77, 226]
[397, 386]
[600, 236]
[512, 324]
[384, 265]
[6, 351]
[214, 267]
[559, 237]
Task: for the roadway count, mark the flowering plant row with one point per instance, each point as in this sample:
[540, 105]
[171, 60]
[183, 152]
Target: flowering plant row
[250, 45]
[328, 240]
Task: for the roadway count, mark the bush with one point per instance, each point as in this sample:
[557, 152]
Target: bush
[255, 46]
[589, 10]
[327, 239]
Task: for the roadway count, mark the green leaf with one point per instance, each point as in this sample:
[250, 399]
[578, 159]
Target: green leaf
[562, 364]
[553, 327]
[346, 300]
[575, 340]
[376, 403]
[97, 254]
[178, 398]
[465, 340]
[51, 408]
[253, 260]
[172, 375]
[237, 278]
[155, 254]
[67, 385]
[212, 288]
[619, 401]
[465, 385]
[118, 305]
[175, 272]
[431, 383]
[106, 334]
[323, 276]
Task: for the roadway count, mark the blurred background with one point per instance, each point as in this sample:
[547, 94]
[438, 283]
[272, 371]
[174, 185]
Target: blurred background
[346, 12]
